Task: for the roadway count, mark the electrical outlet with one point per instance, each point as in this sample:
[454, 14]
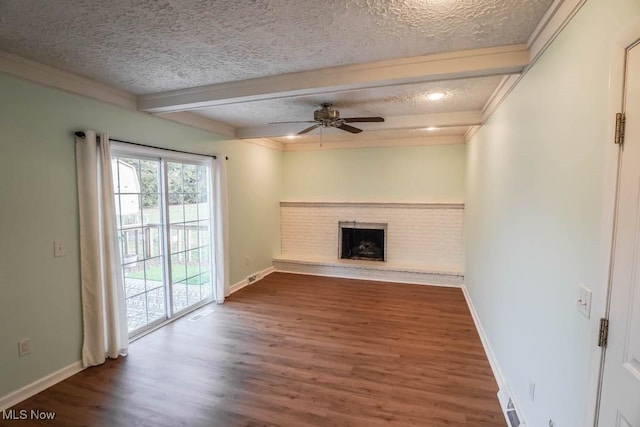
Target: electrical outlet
[58, 249]
[583, 302]
[252, 279]
[24, 347]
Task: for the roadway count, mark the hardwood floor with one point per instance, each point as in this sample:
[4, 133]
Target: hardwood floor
[295, 350]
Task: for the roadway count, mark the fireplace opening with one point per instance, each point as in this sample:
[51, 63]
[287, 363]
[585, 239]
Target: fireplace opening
[362, 241]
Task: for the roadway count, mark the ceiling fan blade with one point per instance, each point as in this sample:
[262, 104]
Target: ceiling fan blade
[309, 129]
[281, 123]
[363, 119]
[349, 128]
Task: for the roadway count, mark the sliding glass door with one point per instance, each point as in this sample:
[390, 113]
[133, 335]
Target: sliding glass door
[164, 220]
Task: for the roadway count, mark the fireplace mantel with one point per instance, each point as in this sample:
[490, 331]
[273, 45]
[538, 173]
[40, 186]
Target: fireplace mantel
[408, 205]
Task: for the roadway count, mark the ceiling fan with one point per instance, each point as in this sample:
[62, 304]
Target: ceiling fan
[327, 116]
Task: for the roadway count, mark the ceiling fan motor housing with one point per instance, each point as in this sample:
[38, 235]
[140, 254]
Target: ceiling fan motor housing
[326, 115]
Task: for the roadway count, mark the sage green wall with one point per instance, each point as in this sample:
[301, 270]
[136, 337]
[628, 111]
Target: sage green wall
[40, 294]
[424, 173]
[535, 216]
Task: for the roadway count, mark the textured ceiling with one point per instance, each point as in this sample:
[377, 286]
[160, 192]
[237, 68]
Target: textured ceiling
[156, 45]
[153, 46]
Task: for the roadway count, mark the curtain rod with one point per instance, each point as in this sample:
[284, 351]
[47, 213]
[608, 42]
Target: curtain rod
[81, 134]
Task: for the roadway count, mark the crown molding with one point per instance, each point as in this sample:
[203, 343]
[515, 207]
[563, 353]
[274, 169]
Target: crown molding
[470, 132]
[552, 23]
[503, 89]
[387, 142]
[52, 77]
[265, 142]
[45, 75]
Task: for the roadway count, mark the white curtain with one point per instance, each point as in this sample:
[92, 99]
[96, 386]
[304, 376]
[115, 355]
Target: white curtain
[221, 228]
[103, 302]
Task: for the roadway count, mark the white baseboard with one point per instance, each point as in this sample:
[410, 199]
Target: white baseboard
[243, 283]
[504, 391]
[44, 383]
[36, 387]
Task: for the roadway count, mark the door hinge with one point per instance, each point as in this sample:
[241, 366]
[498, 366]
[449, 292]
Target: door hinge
[620, 125]
[604, 332]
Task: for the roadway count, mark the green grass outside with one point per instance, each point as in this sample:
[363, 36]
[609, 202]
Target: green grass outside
[155, 273]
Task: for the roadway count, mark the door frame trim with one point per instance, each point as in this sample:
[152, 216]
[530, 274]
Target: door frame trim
[617, 69]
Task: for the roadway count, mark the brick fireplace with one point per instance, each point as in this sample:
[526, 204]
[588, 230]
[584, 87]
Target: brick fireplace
[423, 242]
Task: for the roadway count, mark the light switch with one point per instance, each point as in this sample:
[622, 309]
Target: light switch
[583, 301]
[58, 249]
[24, 347]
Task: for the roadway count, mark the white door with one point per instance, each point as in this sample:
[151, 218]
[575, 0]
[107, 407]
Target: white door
[620, 399]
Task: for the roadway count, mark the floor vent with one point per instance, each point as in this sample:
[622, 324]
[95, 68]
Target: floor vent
[509, 410]
[512, 415]
[200, 315]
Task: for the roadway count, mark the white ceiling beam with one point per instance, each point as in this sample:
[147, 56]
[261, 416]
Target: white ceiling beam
[461, 118]
[444, 66]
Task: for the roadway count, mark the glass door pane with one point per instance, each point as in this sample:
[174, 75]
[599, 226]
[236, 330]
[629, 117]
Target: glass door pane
[189, 228]
[139, 214]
